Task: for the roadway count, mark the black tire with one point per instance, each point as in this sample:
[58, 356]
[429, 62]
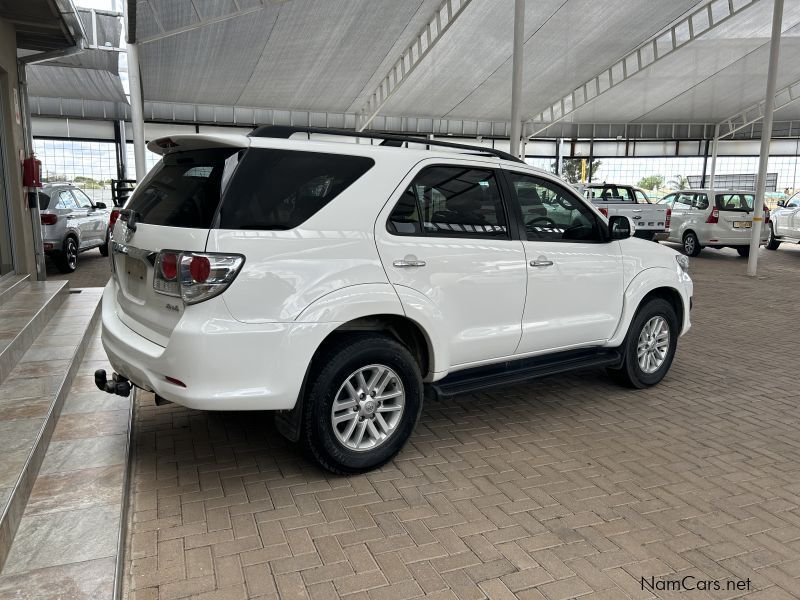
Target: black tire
[104, 248]
[772, 243]
[691, 245]
[67, 259]
[631, 373]
[334, 367]
[744, 251]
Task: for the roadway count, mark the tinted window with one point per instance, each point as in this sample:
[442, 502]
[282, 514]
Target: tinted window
[458, 201]
[182, 190]
[44, 200]
[280, 189]
[551, 213]
[82, 198]
[701, 201]
[735, 202]
[610, 193]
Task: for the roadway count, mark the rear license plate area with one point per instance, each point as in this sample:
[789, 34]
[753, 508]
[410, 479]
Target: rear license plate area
[136, 276]
[742, 224]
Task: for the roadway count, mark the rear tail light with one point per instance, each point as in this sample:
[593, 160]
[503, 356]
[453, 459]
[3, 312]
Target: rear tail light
[603, 210]
[112, 220]
[713, 217]
[48, 218]
[195, 276]
[668, 219]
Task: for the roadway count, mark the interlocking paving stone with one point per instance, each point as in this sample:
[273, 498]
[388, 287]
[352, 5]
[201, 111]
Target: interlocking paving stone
[569, 487]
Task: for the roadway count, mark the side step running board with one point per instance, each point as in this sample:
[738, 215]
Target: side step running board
[522, 370]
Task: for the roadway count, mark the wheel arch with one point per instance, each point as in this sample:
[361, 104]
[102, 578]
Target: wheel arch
[657, 282]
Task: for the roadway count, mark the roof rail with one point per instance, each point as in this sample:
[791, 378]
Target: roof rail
[389, 139]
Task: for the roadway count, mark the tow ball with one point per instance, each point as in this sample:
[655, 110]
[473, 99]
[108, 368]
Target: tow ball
[118, 385]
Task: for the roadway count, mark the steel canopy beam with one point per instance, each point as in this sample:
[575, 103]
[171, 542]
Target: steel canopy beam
[783, 98]
[698, 23]
[446, 14]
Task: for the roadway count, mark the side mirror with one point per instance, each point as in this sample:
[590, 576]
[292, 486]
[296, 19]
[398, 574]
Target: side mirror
[781, 203]
[100, 205]
[620, 227]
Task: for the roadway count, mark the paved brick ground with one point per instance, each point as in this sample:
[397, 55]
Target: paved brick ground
[568, 487]
[93, 270]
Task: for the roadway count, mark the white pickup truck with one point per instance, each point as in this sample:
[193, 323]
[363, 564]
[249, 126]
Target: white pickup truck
[651, 221]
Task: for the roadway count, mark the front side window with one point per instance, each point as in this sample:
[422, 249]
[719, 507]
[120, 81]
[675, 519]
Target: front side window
[551, 213]
[683, 200]
[82, 199]
[668, 200]
[451, 201]
[794, 202]
[735, 202]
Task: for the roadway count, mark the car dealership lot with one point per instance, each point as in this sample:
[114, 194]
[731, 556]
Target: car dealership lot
[564, 487]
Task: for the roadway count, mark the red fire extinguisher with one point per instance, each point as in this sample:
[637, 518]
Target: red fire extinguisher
[32, 172]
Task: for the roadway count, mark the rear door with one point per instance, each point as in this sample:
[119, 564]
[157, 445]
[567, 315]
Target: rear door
[447, 237]
[172, 209]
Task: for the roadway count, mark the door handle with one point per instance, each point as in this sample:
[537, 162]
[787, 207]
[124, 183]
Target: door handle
[404, 264]
[541, 262]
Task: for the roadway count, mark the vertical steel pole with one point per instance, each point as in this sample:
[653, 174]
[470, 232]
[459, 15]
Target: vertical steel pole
[516, 76]
[137, 111]
[766, 136]
[711, 185]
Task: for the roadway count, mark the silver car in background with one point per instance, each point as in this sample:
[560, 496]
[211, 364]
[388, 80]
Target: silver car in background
[71, 223]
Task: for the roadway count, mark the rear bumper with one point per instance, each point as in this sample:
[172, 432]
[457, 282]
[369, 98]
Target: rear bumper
[224, 364]
[725, 237]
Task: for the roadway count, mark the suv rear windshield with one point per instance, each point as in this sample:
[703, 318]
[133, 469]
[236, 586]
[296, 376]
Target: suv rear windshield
[183, 189]
[280, 189]
[736, 202]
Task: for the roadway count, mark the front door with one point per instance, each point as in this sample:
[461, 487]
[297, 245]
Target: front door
[446, 237]
[575, 279]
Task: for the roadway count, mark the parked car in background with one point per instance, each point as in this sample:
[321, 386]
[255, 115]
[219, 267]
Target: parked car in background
[651, 221]
[724, 223]
[71, 223]
[784, 224]
[334, 282]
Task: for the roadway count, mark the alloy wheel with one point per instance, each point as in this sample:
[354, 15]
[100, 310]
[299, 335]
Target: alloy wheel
[72, 254]
[653, 345]
[368, 407]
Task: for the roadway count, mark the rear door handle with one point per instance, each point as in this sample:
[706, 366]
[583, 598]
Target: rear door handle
[541, 262]
[404, 264]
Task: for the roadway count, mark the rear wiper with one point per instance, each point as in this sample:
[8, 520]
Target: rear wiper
[131, 217]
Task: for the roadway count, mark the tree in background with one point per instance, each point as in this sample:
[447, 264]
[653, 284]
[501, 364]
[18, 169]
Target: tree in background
[572, 169]
[651, 182]
[679, 182]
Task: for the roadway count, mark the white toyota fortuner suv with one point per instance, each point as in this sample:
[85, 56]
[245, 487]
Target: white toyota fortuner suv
[339, 283]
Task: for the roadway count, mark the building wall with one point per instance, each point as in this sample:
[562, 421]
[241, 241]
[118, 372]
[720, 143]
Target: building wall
[13, 142]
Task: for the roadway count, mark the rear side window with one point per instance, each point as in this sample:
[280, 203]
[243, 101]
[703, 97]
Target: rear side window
[281, 189]
[735, 202]
[183, 189]
[451, 201]
[44, 201]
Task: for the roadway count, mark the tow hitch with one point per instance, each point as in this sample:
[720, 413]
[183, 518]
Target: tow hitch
[118, 385]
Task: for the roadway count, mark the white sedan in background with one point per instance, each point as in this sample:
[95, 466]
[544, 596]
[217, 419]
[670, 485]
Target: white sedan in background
[727, 222]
